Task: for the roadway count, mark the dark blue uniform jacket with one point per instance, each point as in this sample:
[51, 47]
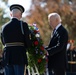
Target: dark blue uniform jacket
[11, 32]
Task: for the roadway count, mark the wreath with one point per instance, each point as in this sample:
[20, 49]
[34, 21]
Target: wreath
[36, 54]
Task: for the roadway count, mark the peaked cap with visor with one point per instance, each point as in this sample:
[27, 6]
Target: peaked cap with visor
[17, 6]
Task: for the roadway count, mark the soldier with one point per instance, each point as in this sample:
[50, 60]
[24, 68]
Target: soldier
[15, 38]
[71, 54]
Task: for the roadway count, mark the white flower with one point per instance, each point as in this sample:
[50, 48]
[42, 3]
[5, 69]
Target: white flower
[37, 35]
[34, 27]
[43, 57]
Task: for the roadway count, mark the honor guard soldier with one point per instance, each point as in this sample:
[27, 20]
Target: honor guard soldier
[71, 53]
[15, 38]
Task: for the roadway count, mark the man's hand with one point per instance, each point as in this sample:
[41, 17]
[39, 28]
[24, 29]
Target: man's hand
[46, 52]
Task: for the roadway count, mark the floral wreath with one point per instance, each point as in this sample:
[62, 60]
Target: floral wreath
[36, 54]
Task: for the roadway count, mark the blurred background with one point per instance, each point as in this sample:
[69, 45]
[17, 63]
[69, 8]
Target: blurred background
[36, 11]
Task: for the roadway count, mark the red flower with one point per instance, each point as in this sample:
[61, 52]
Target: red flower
[39, 60]
[42, 48]
[35, 31]
[36, 43]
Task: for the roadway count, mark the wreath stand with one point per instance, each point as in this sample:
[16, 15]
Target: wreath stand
[33, 71]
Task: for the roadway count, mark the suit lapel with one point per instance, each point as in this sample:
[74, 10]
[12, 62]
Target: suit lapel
[56, 32]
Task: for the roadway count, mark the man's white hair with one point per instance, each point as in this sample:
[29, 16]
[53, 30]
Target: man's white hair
[55, 15]
[15, 11]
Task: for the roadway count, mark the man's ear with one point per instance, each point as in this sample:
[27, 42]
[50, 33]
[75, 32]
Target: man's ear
[10, 13]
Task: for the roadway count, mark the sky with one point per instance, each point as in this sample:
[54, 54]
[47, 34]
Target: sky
[25, 3]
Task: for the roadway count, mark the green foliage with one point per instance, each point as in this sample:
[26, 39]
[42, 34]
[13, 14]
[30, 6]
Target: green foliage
[36, 54]
[2, 13]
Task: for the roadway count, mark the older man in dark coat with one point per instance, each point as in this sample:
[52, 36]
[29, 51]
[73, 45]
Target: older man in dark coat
[57, 47]
[15, 38]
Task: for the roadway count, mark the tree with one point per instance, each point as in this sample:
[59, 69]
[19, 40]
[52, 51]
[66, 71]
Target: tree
[40, 10]
[2, 19]
[2, 12]
[6, 1]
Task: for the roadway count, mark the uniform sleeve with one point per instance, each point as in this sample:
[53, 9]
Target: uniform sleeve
[27, 35]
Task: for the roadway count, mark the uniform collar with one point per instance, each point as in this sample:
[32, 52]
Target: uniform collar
[15, 18]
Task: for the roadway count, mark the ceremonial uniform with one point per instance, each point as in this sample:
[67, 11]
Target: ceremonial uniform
[15, 44]
[57, 51]
[12, 35]
[71, 61]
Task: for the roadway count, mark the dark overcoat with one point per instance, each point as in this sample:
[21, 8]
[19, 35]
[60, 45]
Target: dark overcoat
[57, 49]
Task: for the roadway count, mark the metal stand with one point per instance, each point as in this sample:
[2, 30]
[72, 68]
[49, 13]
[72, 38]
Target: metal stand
[33, 71]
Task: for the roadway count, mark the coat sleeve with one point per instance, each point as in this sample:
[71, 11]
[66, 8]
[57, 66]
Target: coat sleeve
[60, 41]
